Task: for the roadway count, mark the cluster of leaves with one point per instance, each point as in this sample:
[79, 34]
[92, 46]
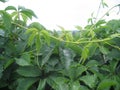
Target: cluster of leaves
[34, 58]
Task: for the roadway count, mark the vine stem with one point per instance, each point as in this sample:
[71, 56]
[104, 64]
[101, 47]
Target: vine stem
[113, 45]
[19, 25]
[81, 42]
[76, 42]
[98, 11]
[37, 61]
[103, 16]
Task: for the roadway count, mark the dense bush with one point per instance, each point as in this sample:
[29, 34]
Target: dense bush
[34, 58]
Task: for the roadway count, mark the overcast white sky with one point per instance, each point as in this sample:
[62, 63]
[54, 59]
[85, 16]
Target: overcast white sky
[66, 13]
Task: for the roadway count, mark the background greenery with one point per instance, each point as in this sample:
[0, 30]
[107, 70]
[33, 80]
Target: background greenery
[34, 58]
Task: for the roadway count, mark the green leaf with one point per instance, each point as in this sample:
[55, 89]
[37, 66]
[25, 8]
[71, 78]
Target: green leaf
[20, 8]
[25, 83]
[47, 56]
[75, 86]
[53, 61]
[37, 25]
[92, 63]
[75, 48]
[66, 57]
[25, 18]
[100, 22]
[104, 4]
[1, 70]
[29, 71]
[63, 87]
[51, 82]
[7, 20]
[25, 60]
[107, 83]
[60, 80]
[105, 68]
[10, 8]
[114, 54]
[58, 83]
[113, 65]
[3, 1]
[8, 63]
[89, 80]
[42, 84]
[104, 50]
[74, 72]
[14, 15]
[83, 87]
[28, 13]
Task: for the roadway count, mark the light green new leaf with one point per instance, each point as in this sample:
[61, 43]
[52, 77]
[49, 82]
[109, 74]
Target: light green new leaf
[25, 83]
[78, 27]
[31, 38]
[29, 71]
[46, 36]
[69, 37]
[107, 83]
[84, 55]
[38, 42]
[62, 28]
[31, 30]
[92, 49]
[91, 33]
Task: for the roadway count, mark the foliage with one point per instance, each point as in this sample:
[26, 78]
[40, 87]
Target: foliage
[34, 58]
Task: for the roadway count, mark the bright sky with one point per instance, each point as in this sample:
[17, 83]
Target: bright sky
[66, 13]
